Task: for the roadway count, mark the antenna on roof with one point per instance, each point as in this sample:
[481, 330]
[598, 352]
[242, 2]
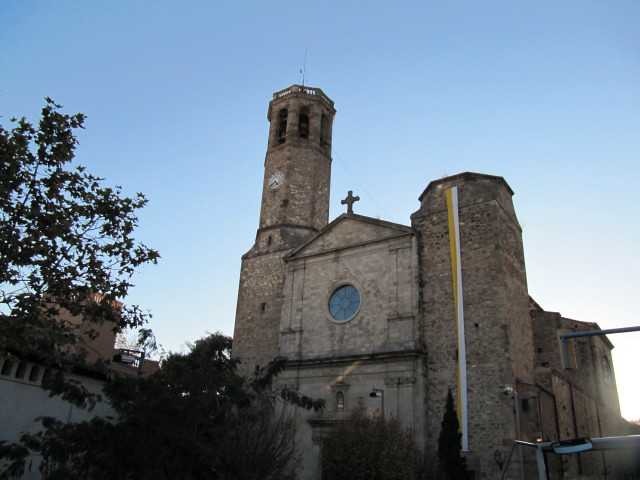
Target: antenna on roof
[303, 70]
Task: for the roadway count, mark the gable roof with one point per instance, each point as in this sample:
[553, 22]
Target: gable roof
[390, 229]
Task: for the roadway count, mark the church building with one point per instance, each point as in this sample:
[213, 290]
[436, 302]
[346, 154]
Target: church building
[390, 317]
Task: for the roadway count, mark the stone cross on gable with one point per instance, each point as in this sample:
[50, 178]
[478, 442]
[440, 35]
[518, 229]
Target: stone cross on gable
[349, 201]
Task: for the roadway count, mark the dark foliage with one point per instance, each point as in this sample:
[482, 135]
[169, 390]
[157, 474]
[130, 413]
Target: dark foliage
[451, 463]
[194, 419]
[370, 448]
[66, 246]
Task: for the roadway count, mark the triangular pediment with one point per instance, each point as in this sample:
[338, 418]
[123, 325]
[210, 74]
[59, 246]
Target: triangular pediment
[348, 231]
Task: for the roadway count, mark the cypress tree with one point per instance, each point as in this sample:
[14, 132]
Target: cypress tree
[452, 465]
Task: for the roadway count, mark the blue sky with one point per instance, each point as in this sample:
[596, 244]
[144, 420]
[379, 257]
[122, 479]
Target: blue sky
[544, 93]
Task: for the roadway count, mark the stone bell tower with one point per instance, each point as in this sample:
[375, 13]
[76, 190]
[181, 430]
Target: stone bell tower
[297, 170]
[295, 205]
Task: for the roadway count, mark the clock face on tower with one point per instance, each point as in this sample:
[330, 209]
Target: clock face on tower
[276, 180]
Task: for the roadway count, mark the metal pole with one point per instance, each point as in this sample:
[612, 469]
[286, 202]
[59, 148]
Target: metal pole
[516, 400]
[542, 465]
[595, 333]
[541, 462]
[590, 333]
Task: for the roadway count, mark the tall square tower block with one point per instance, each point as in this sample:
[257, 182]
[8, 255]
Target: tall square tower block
[497, 331]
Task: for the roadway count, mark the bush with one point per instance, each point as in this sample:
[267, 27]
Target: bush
[370, 448]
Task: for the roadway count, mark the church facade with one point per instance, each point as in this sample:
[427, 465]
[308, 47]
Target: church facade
[390, 317]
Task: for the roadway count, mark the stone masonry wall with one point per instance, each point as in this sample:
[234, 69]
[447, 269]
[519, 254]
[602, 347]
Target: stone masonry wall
[585, 395]
[497, 328]
[401, 379]
[590, 361]
[385, 275]
[258, 310]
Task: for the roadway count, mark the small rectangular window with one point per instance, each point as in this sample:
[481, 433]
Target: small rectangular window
[281, 132]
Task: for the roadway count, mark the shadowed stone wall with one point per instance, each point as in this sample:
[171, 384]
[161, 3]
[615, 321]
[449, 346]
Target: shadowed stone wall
[585, 394]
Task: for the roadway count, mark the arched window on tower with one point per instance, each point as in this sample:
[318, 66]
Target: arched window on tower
[324, 130]
[303, 123]
[281, 132]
